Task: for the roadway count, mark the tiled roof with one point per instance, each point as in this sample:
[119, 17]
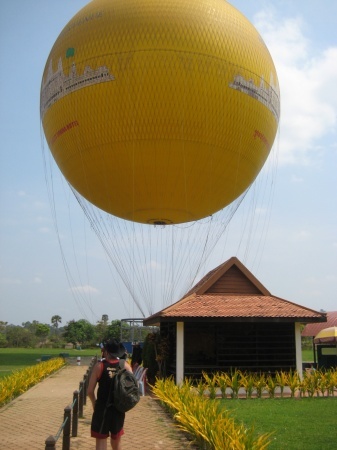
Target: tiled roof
[314, 328]
[231, 292]
[237, 306]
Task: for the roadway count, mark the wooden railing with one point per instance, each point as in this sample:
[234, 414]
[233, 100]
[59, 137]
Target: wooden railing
[72, 413]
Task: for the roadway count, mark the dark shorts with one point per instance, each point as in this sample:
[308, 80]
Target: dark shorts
[111, 424]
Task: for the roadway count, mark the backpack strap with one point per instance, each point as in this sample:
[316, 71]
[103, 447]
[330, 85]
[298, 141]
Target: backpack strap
[122, 363]
[110, 394]
[100, 370]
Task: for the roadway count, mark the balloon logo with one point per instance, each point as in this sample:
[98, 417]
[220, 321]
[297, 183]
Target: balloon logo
[160, 112]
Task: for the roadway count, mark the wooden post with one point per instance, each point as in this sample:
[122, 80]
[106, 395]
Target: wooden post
[74, 425]
[85, 378]
[50, 443]
[66, 428]
[180, 353]
[80, 404]
[88, 378]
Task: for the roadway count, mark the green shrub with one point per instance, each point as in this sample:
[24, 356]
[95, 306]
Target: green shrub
[211, 426]
[155, 354]
[149, 357]
[20, 381]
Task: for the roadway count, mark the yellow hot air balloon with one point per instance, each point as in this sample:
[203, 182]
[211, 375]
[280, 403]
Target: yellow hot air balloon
[160, 112]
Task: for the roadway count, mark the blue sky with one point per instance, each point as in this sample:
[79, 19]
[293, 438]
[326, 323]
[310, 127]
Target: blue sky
[285, 231]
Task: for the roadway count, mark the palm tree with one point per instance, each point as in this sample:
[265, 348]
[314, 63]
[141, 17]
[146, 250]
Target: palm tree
[105, 319]
[55, 320]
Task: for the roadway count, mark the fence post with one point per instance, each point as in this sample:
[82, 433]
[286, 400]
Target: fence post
[88, 378]
[85, 378]
[50, 443]
[66, 429]
[80, 405]
[74, 426]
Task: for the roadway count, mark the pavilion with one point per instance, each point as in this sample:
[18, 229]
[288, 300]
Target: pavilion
[229, 320]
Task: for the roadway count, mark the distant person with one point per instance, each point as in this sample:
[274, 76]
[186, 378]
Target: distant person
[136, 358]
[106, 421]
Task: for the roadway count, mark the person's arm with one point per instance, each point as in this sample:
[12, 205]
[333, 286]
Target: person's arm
[127, 366]
[95, 374]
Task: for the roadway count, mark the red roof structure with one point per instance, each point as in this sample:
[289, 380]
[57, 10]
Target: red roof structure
[231, 292]
[238, 307]
[230, 320]
[312, 329]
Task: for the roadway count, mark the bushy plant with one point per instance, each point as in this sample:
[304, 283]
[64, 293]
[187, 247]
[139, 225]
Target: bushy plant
[211, 426]
[235, 383]
[282, 380]
[271, 386]
[201, 387]
[222, 383]
[149, 357]
[260, 384]
[311, 383]
[199, 413]
[20, 381]
[248, 383]
[293, 382]
[211, 384]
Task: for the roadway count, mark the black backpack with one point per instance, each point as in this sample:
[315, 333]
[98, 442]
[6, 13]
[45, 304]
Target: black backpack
[125, 391]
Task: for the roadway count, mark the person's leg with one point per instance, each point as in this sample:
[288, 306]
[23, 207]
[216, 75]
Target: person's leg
[101, 444]
[116, 444]
[116, 429]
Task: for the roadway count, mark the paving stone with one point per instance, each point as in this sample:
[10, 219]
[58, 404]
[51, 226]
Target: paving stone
[30, 419]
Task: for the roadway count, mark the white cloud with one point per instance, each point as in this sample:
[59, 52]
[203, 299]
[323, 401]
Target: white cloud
[155, 265]
[307, 84]
[302, 235]
[281, 36]
[44, 230]
[296, 179]
[39, 205]
[85, 289]
[151, 265]
[330, 277]
[261, 211]
[37, 280]
[42, 219]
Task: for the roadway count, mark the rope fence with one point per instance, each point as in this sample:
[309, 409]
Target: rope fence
[72, 413]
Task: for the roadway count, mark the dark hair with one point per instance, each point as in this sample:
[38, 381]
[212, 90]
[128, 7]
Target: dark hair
[114, 347]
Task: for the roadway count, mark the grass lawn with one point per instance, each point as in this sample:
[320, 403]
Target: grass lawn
[307, 355]
[19, 358]
[308, 423]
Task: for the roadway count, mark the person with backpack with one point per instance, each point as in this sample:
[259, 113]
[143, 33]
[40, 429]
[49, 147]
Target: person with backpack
[107, 420]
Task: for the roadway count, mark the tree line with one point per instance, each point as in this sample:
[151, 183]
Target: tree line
[80, 333]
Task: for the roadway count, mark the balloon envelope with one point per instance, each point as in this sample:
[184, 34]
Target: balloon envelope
[160, 112]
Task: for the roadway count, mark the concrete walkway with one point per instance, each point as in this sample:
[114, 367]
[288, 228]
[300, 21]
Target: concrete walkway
[27, 421]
